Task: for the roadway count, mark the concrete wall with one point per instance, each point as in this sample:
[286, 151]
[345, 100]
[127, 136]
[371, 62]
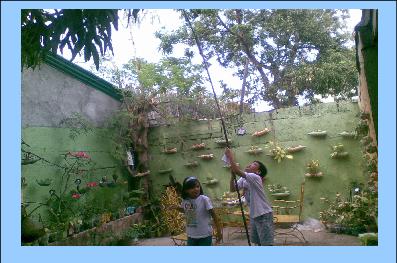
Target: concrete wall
[290, 127]
[49, 96]
[367, 55]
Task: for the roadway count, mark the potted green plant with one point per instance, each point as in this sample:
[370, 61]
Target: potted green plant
[348, 135]
[277, 152]
[313, 169]
[294, 149]
[191, 164]
[278, 190]
[44, 182]
[318, 133]
[254, 150]
[338, 152]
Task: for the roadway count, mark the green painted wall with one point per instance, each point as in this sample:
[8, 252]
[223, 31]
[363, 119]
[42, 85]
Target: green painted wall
[51, 144]
[290, 127]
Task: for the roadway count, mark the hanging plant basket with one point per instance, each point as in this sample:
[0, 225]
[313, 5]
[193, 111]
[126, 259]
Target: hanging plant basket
[29, 161]
[294, 149]
[254, 150]
[221, 142]
[206, 156]
[277, 190]
[211, 181]
[170, 150]
[142, 174]
[44, 182]
[165, 171]
[284, 194]
[339, 155]
[318, 133]
[261, 132]
[348, 135]
[318, 174]
[199, 146]
[192, 164]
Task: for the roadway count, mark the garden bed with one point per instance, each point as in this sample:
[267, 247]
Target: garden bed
[101, 235]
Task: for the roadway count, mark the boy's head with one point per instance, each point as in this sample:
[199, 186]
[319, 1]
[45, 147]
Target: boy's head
[256, 167]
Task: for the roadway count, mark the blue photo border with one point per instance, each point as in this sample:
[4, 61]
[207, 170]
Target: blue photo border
[12, 251]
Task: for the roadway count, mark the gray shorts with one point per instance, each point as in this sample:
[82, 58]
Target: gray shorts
[262, 230]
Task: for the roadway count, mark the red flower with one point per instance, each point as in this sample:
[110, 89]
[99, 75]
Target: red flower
[92, 184]
[76, 196]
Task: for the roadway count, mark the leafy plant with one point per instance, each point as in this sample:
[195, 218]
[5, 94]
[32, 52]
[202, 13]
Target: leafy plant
[313, 166]
[357, 216]
[277, 188]
[338, 151]
[278, 152]
[77, 124]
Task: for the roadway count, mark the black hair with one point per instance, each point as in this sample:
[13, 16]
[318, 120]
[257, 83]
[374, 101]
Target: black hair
[262, 169]
[189, 183]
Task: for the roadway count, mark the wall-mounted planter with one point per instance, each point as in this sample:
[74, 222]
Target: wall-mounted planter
[192, 164]
[279, 195]
[44, 182]
[319, 174]
[339, 155]
[211, 181]
[199, 146]
[318, 133]
[29, 161]
[348, 135]
[294, 149]
[165, 171]
[142, 174]
[222, 142]
[170, 150]
[206, 156]
[255, 150]
[261, 132]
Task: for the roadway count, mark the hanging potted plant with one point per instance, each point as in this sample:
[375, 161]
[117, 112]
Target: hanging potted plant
[254, 150]
[198, 146]
[211, 181]
[338, 152]
[44, 182]
[348, 135]
[170, 150]
[142, 174]
[165, 171]
[277, 190]
[313, 169]
[277, 152]
[222, 142]
[294, 149]
[261, 132]
[192, 164]
[318, 133]
[206, 156]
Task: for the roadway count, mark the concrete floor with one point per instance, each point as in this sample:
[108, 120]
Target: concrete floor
[233, 237]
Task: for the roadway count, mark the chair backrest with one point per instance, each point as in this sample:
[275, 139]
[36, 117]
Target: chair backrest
[286, 207]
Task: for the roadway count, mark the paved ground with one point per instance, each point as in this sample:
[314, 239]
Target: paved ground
[232, 237]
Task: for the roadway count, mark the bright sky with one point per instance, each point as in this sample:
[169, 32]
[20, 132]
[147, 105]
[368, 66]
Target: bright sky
[139, 41]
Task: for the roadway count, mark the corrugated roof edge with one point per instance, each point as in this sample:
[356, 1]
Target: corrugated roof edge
[83, 75]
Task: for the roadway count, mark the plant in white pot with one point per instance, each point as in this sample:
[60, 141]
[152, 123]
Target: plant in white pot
[313, 169]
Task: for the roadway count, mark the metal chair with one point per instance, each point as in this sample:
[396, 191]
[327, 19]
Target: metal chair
[283, 214]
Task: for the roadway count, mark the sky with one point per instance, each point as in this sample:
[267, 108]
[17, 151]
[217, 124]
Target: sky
[138, 41]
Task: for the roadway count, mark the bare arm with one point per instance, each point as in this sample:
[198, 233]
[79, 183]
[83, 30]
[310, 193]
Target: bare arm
[217, 225]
